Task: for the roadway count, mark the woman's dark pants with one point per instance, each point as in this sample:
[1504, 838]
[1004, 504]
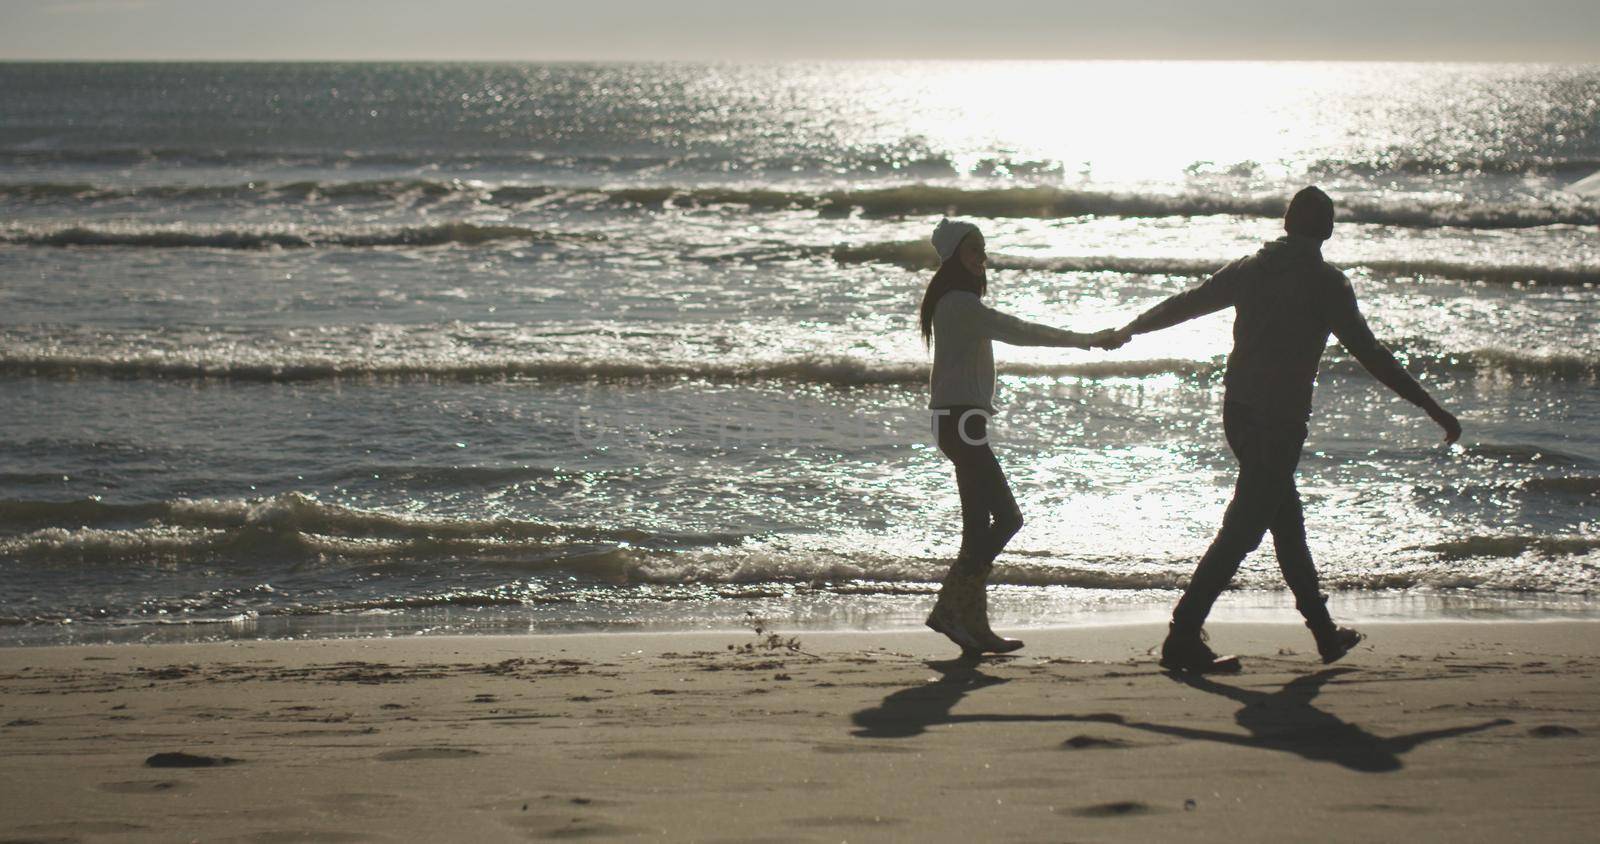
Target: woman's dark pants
[989, 513]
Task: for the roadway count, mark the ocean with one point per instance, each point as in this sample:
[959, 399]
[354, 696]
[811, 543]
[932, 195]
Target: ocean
[301, 350]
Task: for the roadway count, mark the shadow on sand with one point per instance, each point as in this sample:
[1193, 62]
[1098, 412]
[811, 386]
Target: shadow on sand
[1283, 720]
[910, 711]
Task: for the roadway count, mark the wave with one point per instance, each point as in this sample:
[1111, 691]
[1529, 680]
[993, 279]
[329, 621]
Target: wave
[411, 190]
[444, 234]
[1029, 201]
[1421, 357]
[831, 370]
[842, 371]
[866, 161]
[1440, 567]
[918, 255]
[1519, 454]
[1533, 165]
[914, 255]
[1514, 546]
[163, 544]
[124, 156]
[1567, 367]
[451, 476]
[463, 600]
[292, 530]
[1564, 486]
[1053, 202]
[287, 192]
[292, 526]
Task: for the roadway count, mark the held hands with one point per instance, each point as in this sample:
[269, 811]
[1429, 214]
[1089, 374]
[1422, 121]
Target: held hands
[1109, 338]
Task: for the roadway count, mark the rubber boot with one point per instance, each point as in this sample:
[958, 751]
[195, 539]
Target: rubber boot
[987, 638]
[954, 613]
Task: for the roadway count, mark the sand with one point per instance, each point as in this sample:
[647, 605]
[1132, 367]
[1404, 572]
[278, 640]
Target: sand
[1432, 731]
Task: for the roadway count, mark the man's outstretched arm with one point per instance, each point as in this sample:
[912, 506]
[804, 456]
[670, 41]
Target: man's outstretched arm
[1216, 293]
[1353, 332]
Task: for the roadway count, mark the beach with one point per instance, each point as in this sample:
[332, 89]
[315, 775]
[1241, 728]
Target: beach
[1467, 731]
[492, 451]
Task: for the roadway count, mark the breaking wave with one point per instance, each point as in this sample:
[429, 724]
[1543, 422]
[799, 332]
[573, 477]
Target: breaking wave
[1030, 201]
[1379, 163]
[177, 155]
[822, 370]
[1455, 165]
[1514, 546]
[444, 234]
[914, 255]
[1564, 485]
[291, 526]
[834, 370]
[917, 255]
[296, 529]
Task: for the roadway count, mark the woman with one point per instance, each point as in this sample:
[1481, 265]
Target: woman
[962, 331]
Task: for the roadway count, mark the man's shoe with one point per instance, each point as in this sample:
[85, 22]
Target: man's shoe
[1188, 652]
[996, 644]
[1334, 642]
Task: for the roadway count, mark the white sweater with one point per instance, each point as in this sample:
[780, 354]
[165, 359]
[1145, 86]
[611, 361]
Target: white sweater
[964, 329]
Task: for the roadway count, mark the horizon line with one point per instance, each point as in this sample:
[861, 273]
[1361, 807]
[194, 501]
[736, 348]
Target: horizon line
[796, 60]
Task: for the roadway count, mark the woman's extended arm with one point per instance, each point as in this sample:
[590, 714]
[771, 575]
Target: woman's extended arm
[1019, 332]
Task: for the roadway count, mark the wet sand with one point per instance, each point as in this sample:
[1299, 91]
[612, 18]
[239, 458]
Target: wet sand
[1460, 731]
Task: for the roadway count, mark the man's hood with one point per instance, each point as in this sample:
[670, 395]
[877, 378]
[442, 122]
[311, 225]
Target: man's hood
[1289, 250]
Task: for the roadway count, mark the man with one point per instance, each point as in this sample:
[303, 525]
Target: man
[1286, 300]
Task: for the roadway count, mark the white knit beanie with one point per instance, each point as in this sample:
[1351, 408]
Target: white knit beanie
[948, 235]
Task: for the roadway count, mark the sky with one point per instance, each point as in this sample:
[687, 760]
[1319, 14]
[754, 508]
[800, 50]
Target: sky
[738, 30]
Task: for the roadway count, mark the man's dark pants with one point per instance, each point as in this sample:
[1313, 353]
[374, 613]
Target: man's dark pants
[1264, 498]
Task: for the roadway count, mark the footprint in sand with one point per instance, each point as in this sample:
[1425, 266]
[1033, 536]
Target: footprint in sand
[415, 754]
[563, 805]
[306, 836]
[1013, 783]
[570, 826]
[658, 755]
[861, 747]
[145, 787]
[1389, 808]
[1081, 742]
[188, 760]
[1118, 809]
[847, 821]
[348, 799]
[73, 829]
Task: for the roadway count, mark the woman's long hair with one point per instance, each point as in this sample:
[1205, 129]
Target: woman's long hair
[952, 275]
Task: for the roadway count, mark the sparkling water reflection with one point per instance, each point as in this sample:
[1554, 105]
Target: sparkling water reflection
[398, 348]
